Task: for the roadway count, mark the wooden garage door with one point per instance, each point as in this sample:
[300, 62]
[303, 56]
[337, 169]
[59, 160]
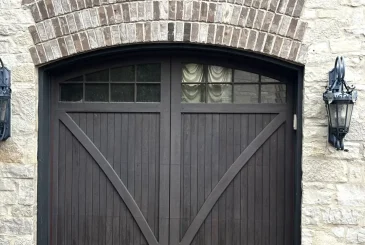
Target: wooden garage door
[171, 151]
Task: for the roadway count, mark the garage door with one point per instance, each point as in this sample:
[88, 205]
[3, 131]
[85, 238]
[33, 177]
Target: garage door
[172, 151]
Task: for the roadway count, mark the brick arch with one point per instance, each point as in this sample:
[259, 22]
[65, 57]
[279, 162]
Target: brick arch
[67, 27]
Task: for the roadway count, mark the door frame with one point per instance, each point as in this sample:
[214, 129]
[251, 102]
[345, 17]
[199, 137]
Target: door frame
[45, 141]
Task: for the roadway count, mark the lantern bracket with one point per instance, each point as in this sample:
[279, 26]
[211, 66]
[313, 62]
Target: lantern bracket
[5, 106]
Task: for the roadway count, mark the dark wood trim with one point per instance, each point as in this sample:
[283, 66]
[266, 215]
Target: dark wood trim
[233, 108]
[229, 176]
[109, 107]
[112, 176]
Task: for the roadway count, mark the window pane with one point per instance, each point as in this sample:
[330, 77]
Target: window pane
[75, 79]
[149, 73]
[193, 93]
[246, 94]
[148, 93]
[269, 80]
[218, 74]
[97, 92]
[192, 73]
[122, 92]
[71, 92]
[100, 76]
[122, 74]
[275, 93]
[219, 93]
[245, 77]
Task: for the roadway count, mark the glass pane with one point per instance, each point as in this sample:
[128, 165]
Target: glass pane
[71, 92]
[219, 93]
[148, 93]
[245, 77]
[3, 109]
[246, 94]
[122, 92]
[342, 110]
[193, 93]
[149, 73]
[275, 93]
[75, 79]
[100, 76]
[97, 92]
[269, 80]
[218, 74]
[122, 74]
[349, 114]
[192, 73]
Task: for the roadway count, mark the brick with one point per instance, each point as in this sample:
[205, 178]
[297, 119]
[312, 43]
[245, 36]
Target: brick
[171, 31]
[260, 41]
[42, 31]
[269, 43]
[277, 46]
[243, 38]
[251, 40]
[187, 15]
[141, 11]
[81, 4]
[163, 31]
[227, 36]
[256, 3]
[125, 7]
[156, 10]
[147, 31]
[63, 46]
[290, 7]
[73, 5]
[301, 28]
[284, 25]
[50, 8]
[34, 34]
[116, 35]
[123, 33]
[172, 10]
[41, 53]
[218, 18]
[267, 21]
[239, 2]
[48, 51]
[275, 24]
[265, 4]
[102, 16]
[195, 32]
[78, 21]
[251, 18]
[94, 17]
[164, 10]
[282, 6]
[155, 32]
[196, 11]
[179, 10]
[71, 23]
[187, 30]
[133, 14]
[235, 15]
[139, 32]
[57, 7]
[227, 14]
[292, 28]
[211, 13]
[107, 36]
[26, 2]
[49, 29]
[204, 11]
[86, 19]
[34, 55]
[65, 6]
[203, 32]
[274, 5]
[110, 14]
[285, 49]
[294, 51]
[88, 3]
[35, 12]
[219, 34]
[84, 41]
[243, 16]
[259, 19]
[235, 36]
[70, 45]
[248, 3]
[298, 8]
[57, 27]
[92, 39]
[96, 3]
[211, 33]
[118, 16]
[77, 43]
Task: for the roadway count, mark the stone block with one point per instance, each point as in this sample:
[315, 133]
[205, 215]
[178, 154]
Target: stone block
[16, 226]
[351, 194]
[342, 216]
[324, 170]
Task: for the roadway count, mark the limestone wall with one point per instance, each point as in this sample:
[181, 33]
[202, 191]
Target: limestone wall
[333, 209]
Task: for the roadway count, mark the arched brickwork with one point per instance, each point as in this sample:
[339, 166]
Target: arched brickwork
[68, 27]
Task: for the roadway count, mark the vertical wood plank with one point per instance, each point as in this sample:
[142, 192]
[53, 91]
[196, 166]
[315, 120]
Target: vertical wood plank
[201, 171]
[251, 183]
[61, 185]
[229, 191]
[281, 186]
[273, 186]
[117, 149]
[145, 168]
[194, 168]
[208, 174]
[236, 182]
[124, 176]
[185, 197]
[107, 131]
[222, 170]
[266, 186]
[82, 185]
[75, 184]
[68, 188]
[97, 236]
[258, 185]
[244, 181]
[215, 175]
[138, 172]
[131, 173]
[89, 182]
[152, 178]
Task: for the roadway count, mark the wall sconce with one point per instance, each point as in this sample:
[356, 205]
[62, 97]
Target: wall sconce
[5, 96]
[339, 99]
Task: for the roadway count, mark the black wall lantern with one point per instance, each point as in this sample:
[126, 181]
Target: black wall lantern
[5, 104]
[339, 99]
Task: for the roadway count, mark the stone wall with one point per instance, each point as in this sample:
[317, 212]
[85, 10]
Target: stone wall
[333, 209]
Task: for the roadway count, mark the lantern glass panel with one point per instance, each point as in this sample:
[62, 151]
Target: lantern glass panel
[340, 114]
[3, 109]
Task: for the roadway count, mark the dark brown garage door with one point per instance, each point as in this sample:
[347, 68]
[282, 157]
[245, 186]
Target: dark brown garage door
[172, 151]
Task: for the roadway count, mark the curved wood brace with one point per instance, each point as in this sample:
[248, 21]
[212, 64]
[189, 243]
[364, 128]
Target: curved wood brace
[229, 176]
[112, 176]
